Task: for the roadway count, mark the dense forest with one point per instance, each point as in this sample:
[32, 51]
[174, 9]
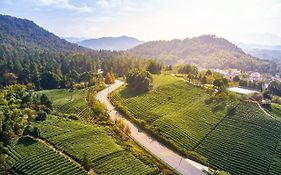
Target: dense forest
[32, 56]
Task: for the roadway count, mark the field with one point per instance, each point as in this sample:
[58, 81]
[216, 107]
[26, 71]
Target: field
[77, 138]
[32, 157]
[69, 102]
[184, 120]
[276, 110]
[247, 143]
[244, 143]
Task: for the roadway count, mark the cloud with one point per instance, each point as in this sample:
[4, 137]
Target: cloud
[64, 4]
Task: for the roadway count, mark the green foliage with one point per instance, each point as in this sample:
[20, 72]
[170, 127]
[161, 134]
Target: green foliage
[227, 138]
[275, 88]
[139, 81]
[32, 157]
[219, 172]
[106, 155]
[41, 116]
[207, 51]
[15, 100]
[45, 101]
[154, 67]
[236, 78]
[86, 162]
[183, 121]
[68, 102]
[234, 145]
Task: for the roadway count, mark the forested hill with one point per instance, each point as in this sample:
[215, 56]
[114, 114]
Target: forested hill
[205, 51]
[21, 33]
[111, 43]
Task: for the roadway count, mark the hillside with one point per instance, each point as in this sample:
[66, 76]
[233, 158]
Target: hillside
[22, 33]
[111, 43]
[228, 141]
[206, 51]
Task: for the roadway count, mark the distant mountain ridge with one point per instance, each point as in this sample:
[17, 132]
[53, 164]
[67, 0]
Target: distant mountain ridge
[206, 51]
[23, 33]
[111, 43]
[268, 52]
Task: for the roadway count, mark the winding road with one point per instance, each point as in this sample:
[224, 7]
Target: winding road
[179, 163]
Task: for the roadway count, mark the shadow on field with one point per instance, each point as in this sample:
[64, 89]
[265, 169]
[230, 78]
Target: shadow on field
[128, 93]
[26, 141]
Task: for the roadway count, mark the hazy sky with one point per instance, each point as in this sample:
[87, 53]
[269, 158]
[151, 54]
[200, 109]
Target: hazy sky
[250, 21]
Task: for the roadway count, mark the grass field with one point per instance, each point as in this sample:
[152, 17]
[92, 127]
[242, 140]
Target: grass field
[247, 143]
[77, 138]
[32, 157]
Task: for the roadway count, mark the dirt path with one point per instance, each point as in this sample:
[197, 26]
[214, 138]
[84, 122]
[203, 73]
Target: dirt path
[179, 163]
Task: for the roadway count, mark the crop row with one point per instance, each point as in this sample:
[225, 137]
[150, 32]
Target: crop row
[77, 138]
[39, 159]
[184, 119]
[244, 143]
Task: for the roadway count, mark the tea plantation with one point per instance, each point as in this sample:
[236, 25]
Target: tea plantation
[245, 143]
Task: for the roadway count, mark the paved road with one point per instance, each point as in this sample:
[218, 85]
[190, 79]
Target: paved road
[182, 165]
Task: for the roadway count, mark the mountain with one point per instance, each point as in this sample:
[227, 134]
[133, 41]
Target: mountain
[74, 39]
[23, 33]
[268, 52]
[207, 51]
[111, 43]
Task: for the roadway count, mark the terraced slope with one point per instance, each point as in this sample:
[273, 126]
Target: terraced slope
[77, 138]
[32, 157]
[184, 120]
[247, 143]
[244, 143]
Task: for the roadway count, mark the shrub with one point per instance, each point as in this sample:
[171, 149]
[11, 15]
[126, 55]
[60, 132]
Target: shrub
[36, 132]
[41, 116]
[73, 117]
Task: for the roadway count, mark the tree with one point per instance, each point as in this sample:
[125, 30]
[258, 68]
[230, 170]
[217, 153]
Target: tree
[86, 162]
[275, 88]
[220, 83]
[153, 67]
[236, 78]
[208, 73]
[10, 78]
[49, 80]
[44, 100]
[109, 79]
[243, 83]
[41, 116]
[139, 81]
[204, 80]
[36, 132]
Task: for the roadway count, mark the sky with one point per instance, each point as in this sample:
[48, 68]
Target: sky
[248, 21]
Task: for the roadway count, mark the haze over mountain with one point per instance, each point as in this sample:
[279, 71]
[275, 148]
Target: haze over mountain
[205, 51]
[74, 39]
[23, 33]
[111, 43]
[269, 52]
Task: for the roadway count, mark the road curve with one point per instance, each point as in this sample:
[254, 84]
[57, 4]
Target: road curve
[182, 165]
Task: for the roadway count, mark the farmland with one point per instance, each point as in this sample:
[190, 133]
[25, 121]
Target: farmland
[32, 157]
[184, 120]
[69, 102]
[77, 138]
[244, 143]
[247, 142]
